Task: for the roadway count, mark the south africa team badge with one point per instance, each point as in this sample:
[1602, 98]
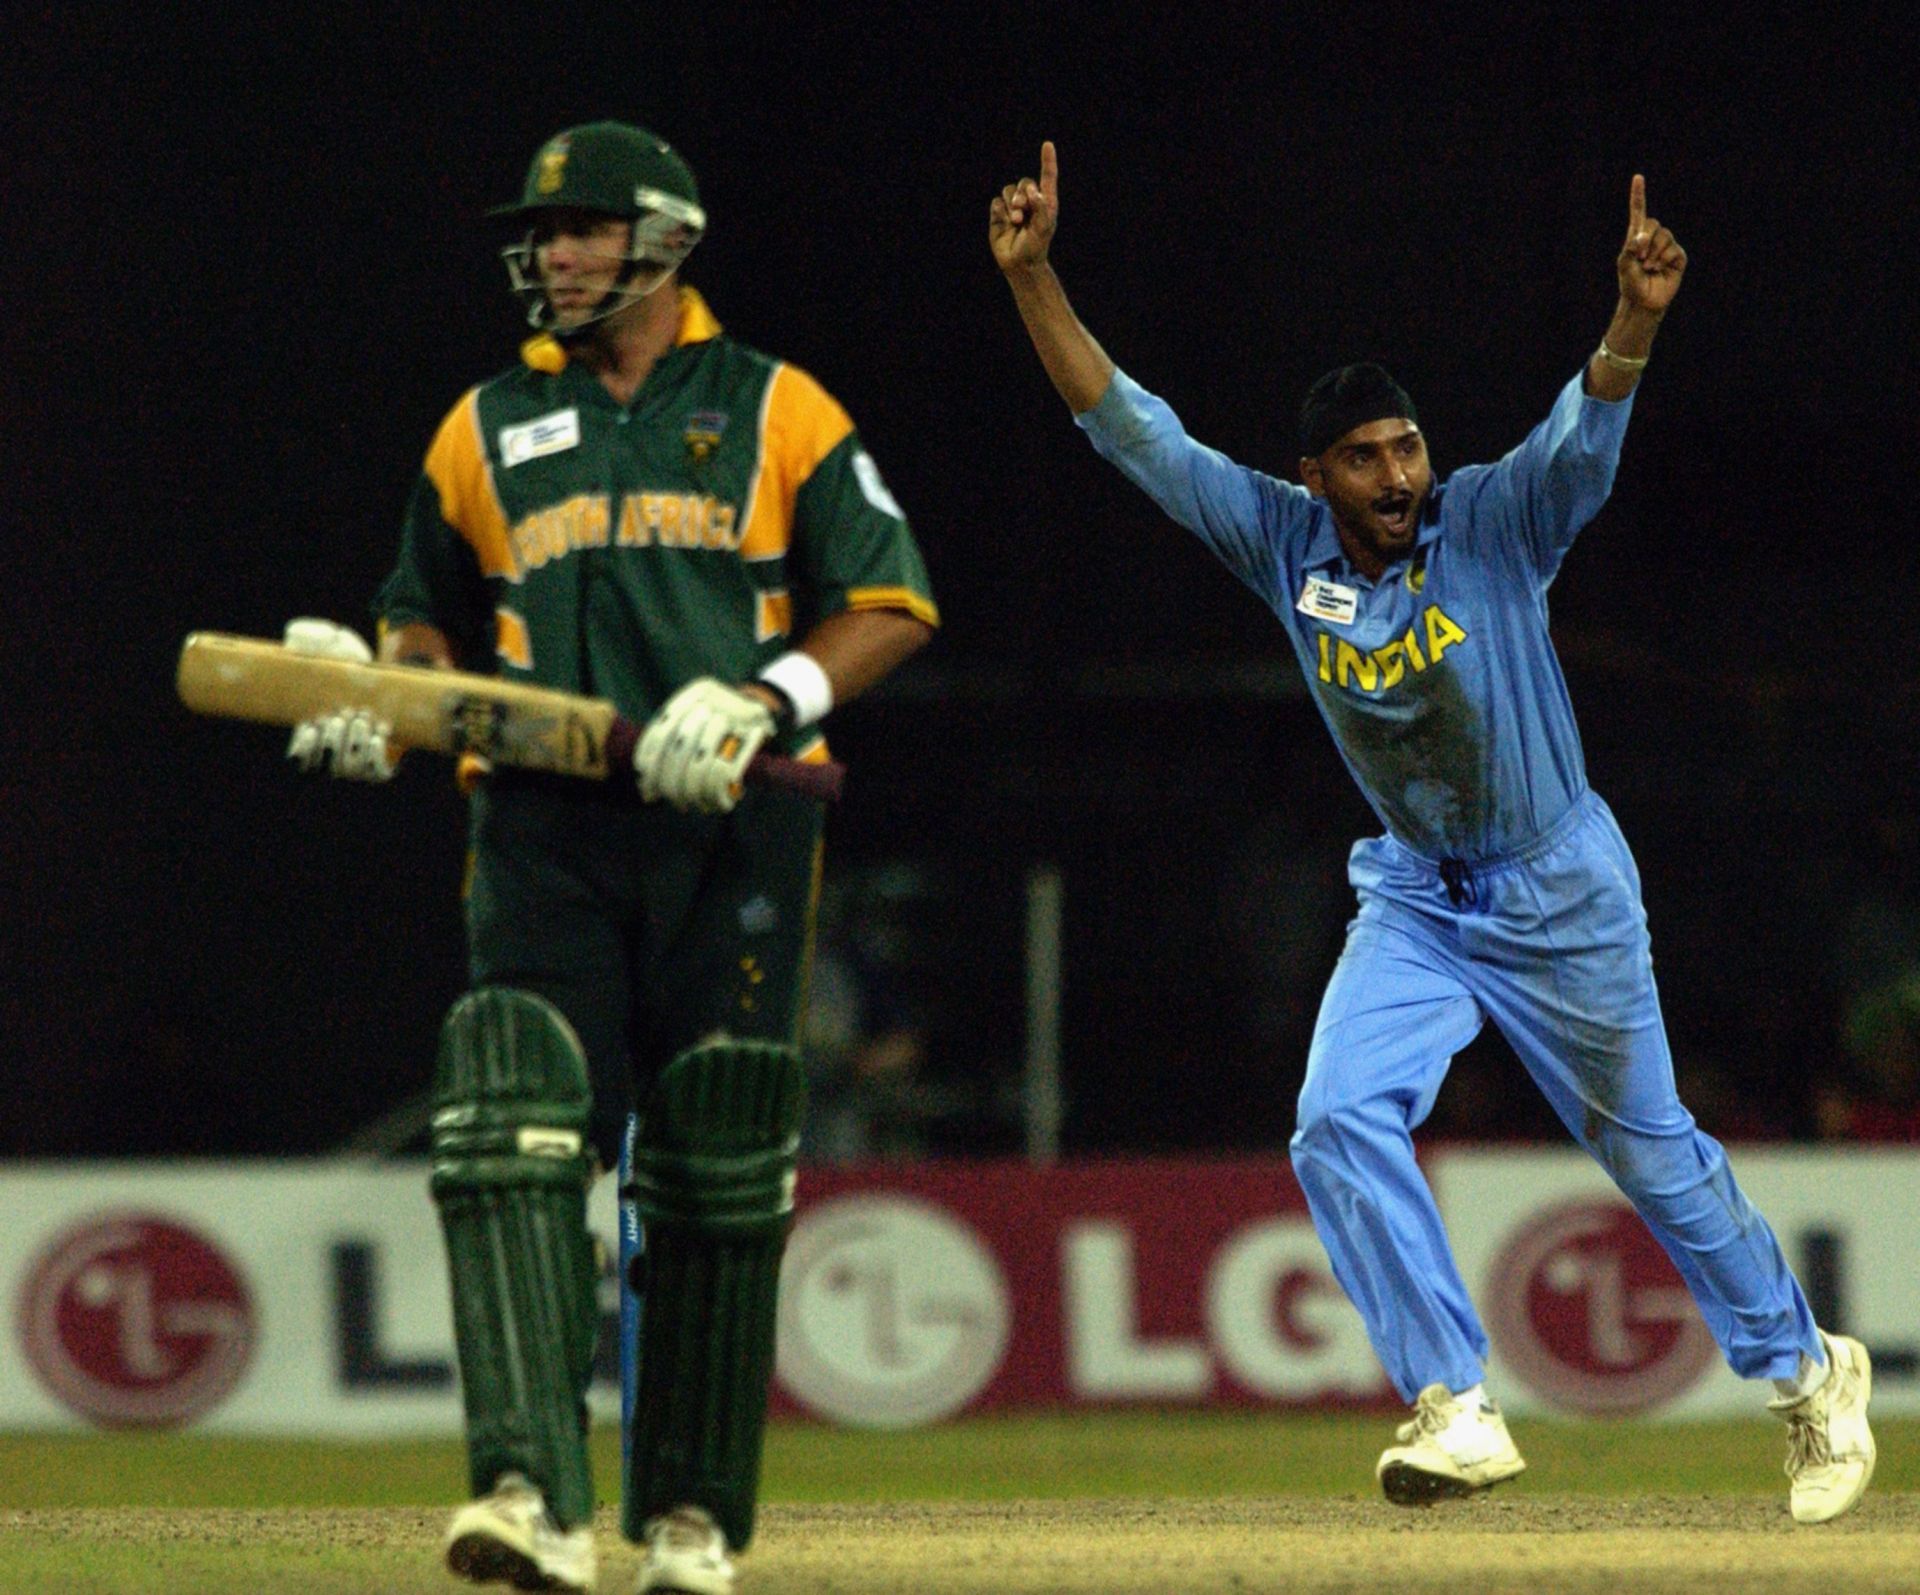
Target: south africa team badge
[704, 431]
[553, 165]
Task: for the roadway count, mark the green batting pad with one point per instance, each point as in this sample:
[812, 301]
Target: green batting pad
[511, 1164]
[713, 1172]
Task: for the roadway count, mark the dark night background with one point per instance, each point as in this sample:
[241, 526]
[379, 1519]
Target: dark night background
[249, 275]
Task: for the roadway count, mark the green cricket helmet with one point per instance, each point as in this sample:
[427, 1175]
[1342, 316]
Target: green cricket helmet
[615, 169]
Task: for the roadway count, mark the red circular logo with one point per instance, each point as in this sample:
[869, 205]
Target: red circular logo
[1589, 1311]
[134, 1321]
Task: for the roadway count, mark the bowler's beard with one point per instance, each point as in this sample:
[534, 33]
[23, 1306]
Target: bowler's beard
[1387, 527]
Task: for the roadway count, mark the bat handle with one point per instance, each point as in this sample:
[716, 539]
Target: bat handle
[822, 781]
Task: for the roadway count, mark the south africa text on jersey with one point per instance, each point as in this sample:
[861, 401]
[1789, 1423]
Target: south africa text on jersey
[1384, 667]
[665, 520]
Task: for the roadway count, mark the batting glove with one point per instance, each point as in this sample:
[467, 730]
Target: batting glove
[327, 640]
[350, 744]
[695, 751]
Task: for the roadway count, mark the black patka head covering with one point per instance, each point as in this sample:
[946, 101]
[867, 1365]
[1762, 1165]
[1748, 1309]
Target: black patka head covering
[1346, 398]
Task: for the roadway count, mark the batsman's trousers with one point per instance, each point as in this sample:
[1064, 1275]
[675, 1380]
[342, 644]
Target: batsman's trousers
[649, 929]
[1551, 944]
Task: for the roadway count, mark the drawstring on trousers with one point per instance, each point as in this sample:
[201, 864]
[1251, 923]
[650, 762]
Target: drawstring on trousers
[1458, 879]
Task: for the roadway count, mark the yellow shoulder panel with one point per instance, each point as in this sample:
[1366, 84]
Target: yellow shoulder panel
[697, 322]
[800, 425]
[457, 466]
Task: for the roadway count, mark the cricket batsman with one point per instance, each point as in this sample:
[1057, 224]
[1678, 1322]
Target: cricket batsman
[1502, 888]
[644, 510]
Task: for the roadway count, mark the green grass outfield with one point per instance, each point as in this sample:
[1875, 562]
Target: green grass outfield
[1102, 1456]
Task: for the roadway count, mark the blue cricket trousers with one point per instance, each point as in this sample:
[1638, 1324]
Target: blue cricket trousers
[1551, 944]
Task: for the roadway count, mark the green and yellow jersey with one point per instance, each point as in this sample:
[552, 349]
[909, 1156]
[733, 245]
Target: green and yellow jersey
[622, 550]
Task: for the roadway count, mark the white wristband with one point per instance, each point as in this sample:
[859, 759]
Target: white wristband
[800, 677]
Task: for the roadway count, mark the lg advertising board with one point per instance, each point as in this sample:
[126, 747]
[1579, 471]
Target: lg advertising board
[311, 1298]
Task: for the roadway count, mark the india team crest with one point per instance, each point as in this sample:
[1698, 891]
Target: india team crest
[705, 428]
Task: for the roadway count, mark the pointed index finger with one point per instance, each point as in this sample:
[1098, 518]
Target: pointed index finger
[1637, 207]
[1049, 172]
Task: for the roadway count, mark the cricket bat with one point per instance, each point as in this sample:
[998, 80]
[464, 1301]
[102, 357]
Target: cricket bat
[441, 711]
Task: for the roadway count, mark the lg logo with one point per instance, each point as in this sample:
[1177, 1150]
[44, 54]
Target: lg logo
[891, 1312]
[1588, 1310]
[134, 1321]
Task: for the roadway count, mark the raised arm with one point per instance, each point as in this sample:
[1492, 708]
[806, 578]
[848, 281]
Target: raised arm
[1650, 265]
[1020, 228]
[1541, 494]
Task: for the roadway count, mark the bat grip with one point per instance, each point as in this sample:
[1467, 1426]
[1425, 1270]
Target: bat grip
[822, 781]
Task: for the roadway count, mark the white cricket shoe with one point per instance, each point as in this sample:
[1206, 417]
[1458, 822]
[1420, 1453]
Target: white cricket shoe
[686, 1554]
[1448, 1449]
[509, 1537]
[1829, 1446]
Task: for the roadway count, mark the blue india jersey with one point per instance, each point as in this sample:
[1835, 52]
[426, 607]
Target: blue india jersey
[1438, 680]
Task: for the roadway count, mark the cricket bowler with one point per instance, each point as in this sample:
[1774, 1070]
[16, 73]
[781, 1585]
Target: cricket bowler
[1502, 888]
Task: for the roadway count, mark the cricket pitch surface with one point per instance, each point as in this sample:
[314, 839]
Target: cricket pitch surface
[1659, 1543]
